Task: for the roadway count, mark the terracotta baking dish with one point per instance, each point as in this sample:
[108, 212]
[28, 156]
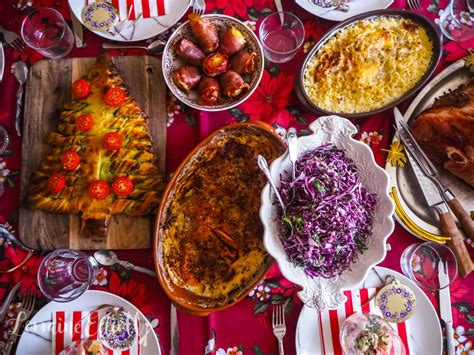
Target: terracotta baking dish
[182, 298]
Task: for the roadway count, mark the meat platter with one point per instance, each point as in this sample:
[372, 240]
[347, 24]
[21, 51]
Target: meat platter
[412, 211]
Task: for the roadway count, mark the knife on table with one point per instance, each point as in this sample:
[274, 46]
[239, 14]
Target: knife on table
[77, 29]
[434, 199]
[279, 8]
[445, 306]
[2, 61]
[459, 211]
[8, 300]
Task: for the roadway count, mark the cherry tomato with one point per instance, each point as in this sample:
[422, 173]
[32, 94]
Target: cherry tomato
[84, 122]
[80, 89]
[112, 141]
[98, 190]
[70, 160]
[123, 186]
[56, 183]
[114, 97]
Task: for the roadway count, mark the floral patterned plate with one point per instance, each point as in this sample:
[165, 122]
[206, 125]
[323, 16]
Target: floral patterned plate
[90, 300]
[171, 61]
[424, 329]
[142, 28]
[356, 7]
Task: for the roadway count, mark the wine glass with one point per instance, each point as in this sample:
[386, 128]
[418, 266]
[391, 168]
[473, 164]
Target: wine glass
[281, 34]
[66, 274]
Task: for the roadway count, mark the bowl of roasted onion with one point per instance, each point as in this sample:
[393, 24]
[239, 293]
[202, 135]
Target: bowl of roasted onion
[212, 62]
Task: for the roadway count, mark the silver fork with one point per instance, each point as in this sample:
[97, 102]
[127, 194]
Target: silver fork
[199, 7]
[279, 327]
[414, 4]
[27, 307]
[12, 39]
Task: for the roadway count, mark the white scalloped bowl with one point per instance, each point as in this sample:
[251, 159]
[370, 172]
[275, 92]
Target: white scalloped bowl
[318, 292]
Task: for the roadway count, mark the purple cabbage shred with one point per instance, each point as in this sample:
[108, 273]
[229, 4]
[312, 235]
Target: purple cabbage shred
[329, 218]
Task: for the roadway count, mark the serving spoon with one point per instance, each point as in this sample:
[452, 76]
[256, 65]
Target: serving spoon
[109, 258]
[263, 165]
[293, 152]
[155, 47]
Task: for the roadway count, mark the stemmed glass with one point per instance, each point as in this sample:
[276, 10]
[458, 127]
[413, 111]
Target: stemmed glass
[66, 274]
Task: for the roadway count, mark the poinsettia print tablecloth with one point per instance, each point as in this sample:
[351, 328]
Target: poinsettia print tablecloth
[245, 327]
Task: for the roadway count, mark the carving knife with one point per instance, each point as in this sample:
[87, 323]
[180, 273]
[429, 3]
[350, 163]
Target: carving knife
[445, 305]
[77, 29]
[435, 200]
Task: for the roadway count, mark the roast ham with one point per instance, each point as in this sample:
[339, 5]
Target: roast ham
[446, 132]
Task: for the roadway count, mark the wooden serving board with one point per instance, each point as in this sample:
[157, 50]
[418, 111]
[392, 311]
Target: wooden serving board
[47, 90]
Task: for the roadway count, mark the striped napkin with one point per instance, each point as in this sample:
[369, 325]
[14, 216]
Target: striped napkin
[147, 8]
[72, 326]
[357, 301]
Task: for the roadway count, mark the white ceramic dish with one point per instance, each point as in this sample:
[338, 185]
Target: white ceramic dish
[356, 7]
[30, 344]
[172, 61]
[144, 28]
[318, 292]
[412, 212]
[423, 325]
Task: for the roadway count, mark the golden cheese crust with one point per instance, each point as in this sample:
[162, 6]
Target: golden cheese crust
[212, 237]
[134, 160]
[367, 65]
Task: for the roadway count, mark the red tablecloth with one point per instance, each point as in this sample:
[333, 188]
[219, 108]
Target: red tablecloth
[247, 325]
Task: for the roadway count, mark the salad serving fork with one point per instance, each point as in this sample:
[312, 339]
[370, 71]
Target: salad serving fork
[279, 326]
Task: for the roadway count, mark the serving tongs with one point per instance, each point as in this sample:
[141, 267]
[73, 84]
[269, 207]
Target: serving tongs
[427, 176]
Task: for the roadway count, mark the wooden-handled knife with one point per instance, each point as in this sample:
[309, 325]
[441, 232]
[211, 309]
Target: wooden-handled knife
[434, 195]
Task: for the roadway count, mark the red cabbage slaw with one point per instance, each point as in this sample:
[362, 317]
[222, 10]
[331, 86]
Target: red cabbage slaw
[329, 218]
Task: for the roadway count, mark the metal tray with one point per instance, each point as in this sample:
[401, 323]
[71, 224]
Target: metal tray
[411, 209]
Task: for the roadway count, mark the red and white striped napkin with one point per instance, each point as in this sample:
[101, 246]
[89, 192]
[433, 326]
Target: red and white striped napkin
[147, 8]
[72, 326]
[357, 301]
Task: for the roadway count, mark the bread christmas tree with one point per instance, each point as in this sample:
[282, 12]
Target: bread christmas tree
[101, 161]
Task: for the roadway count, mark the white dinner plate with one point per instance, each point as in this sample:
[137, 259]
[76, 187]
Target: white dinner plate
[144, 28]
[90, 300]
[356, 7]
[425, 329]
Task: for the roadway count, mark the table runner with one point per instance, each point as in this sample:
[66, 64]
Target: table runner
[247, 325]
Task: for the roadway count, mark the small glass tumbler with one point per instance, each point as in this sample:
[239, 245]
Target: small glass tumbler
[46, 31]
[420, 261]
[456, 21]
[66, 274]
[281, 34]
